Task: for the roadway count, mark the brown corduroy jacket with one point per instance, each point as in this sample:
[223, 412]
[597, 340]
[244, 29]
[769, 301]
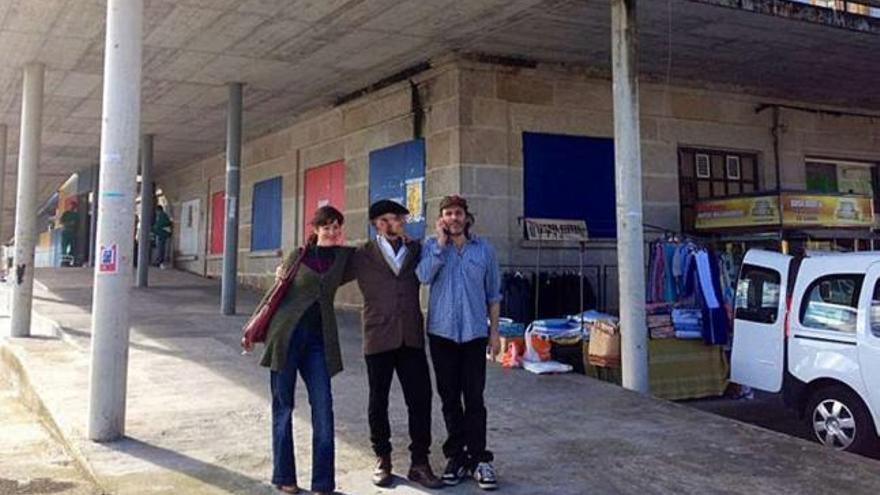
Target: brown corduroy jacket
[392, 317]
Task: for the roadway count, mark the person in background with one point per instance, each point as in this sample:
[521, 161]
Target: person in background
[69, 223]
[161, 230]
[463, 273]
[303, 340]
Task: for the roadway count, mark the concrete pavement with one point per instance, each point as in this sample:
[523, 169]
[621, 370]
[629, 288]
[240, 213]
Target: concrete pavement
[32, 461]
[198, 415]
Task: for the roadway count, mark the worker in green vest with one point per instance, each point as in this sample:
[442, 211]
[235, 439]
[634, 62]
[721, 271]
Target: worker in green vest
[161, 229]
[69, 222]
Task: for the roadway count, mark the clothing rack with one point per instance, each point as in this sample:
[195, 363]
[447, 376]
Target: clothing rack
[589, 288]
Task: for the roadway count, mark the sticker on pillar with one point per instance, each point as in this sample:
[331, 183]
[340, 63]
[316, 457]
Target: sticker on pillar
[323, 202]
[109, 261]
[230, 207]
[415, 202]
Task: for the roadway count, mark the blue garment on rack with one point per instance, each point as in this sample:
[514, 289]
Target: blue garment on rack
[716, 327]
[690, 283]
[669, 292]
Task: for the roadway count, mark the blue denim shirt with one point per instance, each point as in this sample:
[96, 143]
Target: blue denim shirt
[463, 286]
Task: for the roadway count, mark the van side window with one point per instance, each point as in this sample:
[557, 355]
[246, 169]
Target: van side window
[830, 303]
[757, 294]
[875, 310]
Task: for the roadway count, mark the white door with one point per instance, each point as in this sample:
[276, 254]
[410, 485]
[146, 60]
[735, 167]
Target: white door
[189, 227]
[758, 355]
[869, 340]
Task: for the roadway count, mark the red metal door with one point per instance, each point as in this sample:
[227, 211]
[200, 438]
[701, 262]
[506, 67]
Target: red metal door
[324, 185]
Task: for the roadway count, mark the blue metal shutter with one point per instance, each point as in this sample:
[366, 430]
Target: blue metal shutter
[571, 177]
[266, 215]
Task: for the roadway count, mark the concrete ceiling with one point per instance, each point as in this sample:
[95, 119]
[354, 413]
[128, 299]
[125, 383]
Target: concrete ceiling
[295, 55]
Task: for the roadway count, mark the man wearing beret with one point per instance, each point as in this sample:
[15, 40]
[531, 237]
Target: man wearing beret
[463, 273]
[394, 340]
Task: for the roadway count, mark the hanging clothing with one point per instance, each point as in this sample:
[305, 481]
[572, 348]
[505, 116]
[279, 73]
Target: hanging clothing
[716, 327]
[518, 292]
[669, 292]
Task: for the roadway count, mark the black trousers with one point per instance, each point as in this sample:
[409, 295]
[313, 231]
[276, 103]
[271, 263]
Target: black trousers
[461, 379]
[412, 373]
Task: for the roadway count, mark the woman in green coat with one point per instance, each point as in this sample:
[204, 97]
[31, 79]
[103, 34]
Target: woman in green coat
[303, 339]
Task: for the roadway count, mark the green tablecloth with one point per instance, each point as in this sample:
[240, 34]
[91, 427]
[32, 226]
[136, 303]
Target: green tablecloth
[679, 369]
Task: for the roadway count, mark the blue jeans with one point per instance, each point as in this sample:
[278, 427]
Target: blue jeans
[160, 250]
[307, 358]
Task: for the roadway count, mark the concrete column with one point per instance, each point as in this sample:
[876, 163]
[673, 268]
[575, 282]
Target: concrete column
[120, 130]
[233, 179]
[628, 177]
[143, 267]
[93, 217]
[26, 199]
[3, 151]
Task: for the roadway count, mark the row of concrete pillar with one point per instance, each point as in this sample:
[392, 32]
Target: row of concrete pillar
[120, 146]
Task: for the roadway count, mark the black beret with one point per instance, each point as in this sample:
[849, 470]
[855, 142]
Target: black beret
[384, 206]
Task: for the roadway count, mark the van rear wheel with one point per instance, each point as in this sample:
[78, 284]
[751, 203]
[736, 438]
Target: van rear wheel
[837, 418]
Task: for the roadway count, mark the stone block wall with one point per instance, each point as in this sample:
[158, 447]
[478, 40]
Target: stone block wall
[349, 133]
[475, 117]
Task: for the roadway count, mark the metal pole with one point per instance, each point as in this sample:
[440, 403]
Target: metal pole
[538, 281]
[143, 267]
[233, 176]
[120, 128]
[26, 199]
[3, 131]
[628, 176]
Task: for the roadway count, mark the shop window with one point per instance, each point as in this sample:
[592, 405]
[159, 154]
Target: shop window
[831, 303]
[821, 177]
[266, 215]
[706, 174]
[841, 176]
[757, 294]
[218, 221]
[571, 177]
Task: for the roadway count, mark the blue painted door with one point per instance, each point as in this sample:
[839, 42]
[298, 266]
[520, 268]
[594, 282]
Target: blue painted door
[266, 215]
[398, 173]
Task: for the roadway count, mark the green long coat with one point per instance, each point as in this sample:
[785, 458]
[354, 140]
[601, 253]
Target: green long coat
[307, 288]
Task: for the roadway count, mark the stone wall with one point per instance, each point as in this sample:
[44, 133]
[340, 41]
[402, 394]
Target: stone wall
[348, 132]
[475, 116]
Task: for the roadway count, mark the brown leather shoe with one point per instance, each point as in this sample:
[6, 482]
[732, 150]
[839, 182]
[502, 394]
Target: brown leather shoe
[382, 473]
[423, 475]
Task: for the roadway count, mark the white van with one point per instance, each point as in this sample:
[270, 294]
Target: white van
[810, 328]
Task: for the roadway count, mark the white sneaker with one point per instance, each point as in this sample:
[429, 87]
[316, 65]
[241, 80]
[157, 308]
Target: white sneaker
[485, 476]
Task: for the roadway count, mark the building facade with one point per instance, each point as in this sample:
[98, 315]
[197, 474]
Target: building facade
[518, 140]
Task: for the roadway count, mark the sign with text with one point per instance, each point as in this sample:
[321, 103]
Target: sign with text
[548, 229]
[737, 212]
[827, 211]
[108, 259]
[789, 209]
